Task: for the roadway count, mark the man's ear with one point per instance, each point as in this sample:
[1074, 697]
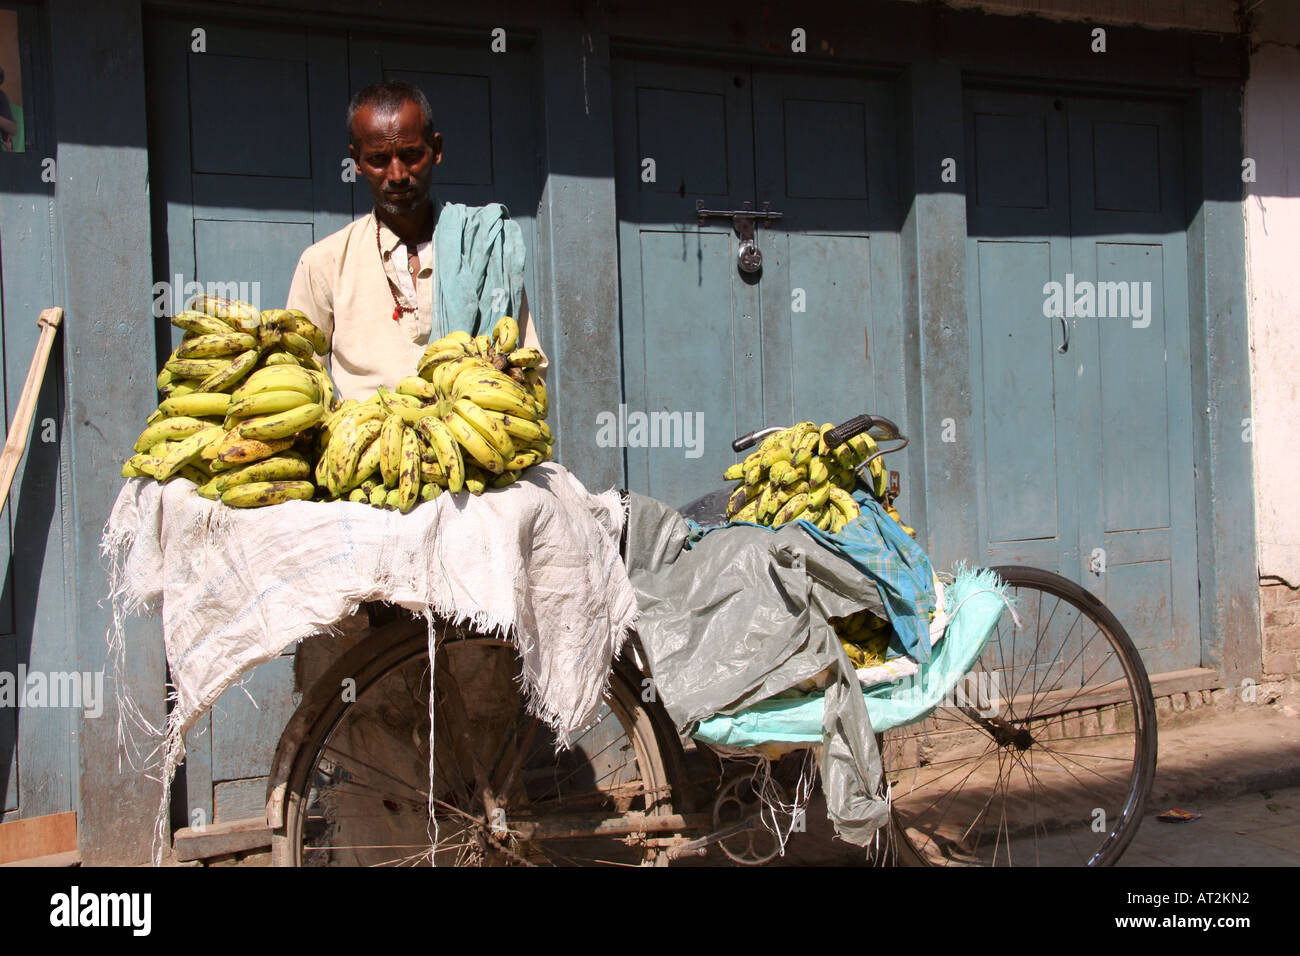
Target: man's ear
[436, 145]
[354, 153]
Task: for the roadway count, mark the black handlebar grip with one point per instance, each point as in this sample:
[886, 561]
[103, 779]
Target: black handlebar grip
[854, 426]
[862, 423]
[743, 442]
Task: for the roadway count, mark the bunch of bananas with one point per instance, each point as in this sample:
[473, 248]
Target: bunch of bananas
[864, 637]
[472, 419]
[794, 474]
[238, 393]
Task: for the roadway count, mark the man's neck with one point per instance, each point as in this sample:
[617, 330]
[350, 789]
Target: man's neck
[414, 227]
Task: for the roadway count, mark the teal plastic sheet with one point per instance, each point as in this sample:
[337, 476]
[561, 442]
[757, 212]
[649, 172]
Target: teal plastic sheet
[974, 601]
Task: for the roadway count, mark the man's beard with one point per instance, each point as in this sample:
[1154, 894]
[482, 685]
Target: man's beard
[404, 207]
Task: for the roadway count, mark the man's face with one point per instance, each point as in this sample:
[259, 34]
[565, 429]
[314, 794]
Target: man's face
[395, 158]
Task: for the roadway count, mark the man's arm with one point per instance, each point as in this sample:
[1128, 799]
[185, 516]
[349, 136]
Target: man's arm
[310, 294]
[528, 333]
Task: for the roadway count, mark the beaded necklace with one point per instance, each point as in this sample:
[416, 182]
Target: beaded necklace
[398, 308]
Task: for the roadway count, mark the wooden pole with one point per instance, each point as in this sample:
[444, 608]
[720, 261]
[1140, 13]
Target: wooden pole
[16, 443]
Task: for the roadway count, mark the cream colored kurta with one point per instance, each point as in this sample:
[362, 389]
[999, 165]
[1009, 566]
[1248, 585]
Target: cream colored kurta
[342, 284]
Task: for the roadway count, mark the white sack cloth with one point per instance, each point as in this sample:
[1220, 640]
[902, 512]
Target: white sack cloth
[538, 560]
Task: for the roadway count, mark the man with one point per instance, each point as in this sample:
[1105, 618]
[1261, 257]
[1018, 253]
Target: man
[373, 286]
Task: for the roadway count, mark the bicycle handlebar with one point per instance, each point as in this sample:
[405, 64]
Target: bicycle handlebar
[837, 435]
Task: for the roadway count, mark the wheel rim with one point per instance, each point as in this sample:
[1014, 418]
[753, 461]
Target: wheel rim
[502, 795]
[1043, 755]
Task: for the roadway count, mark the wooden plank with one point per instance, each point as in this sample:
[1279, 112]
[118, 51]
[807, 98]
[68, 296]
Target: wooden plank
[38, 836]
[234, 836]
[102, 206]
[68, 858]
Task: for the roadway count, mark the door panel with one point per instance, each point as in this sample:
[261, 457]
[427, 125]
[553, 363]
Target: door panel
[1135, 411]
[801, 339]
[1023, 396]
[691, 340]
[1099, 184]
[825, 158]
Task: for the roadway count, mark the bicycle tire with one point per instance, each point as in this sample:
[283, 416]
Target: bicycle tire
[372, 808]
[1088, 715]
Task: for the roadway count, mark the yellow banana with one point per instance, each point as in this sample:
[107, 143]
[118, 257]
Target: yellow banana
[259, 494]
[200, 323]
[526, 358]
[283, 424]
[443, 441]
[477, 447]
[169, 429]
[290, 466]
[216, 346]
[236, 450]
[505, 334]
[292, 320]
[368, 463]
[791, 510]
[279, 377]
[408, 481]
[533, 379]
[498, 394]
[280, 358]
[234, 372]
[197, 405]
[524, 459]
[200, 368]
[240, 315]
[296, 345]
[490, 428]
[264, 403]
[418, 387]
[390, 457]
[187, 451]
[351, 454]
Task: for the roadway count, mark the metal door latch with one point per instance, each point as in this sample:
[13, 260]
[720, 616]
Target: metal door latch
[743, 221]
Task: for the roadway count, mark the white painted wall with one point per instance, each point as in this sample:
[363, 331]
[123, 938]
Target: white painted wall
[1272, 216]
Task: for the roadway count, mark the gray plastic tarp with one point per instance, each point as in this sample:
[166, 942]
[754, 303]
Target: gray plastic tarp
[743, 614]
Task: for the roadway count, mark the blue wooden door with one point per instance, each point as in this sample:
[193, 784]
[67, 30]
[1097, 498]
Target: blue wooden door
[1138, 528]
[816, 333]
[1083, 420]
[38, 744]
[246, 148]
[247, 161]
[691, 342]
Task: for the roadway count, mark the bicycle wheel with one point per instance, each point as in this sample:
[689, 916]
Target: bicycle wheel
[359, 789]
[1044, 755]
